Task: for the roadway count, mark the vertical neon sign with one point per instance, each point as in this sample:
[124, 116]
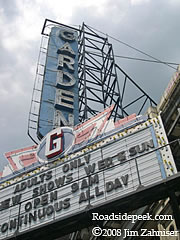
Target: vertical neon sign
[59, 99]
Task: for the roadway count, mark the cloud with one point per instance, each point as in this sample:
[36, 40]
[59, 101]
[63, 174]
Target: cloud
[138, 2]
[151, 26]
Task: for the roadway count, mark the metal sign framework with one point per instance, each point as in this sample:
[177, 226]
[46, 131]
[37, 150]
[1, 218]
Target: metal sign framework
[101, 81]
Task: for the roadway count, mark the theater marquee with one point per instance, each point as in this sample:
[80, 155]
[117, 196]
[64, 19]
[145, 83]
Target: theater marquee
[114, 166]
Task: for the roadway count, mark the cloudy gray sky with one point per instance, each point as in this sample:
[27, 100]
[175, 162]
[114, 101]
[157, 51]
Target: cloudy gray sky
[149, 25]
